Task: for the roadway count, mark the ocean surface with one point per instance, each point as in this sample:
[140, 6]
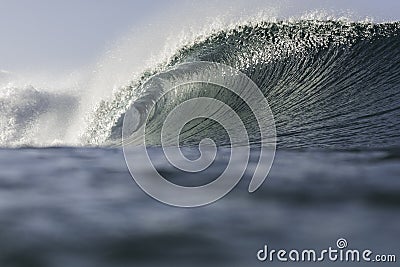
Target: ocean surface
[67, 197]
[80, 207]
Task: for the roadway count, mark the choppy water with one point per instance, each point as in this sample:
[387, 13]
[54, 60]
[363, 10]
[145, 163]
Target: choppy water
[80, 207]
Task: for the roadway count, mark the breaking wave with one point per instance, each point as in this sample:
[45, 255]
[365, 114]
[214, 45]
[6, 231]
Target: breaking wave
[330, 84]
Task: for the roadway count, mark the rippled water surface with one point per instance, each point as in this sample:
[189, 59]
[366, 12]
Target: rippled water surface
[80, 207]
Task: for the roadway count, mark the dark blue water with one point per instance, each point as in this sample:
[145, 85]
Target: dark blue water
[80, 207]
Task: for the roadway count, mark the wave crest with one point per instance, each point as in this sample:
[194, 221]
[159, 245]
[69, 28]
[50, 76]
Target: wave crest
[329, 83]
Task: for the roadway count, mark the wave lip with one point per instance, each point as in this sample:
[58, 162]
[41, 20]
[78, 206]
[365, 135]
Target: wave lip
[330, 84]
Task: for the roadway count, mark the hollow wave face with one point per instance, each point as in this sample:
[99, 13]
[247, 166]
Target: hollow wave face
[329, 84]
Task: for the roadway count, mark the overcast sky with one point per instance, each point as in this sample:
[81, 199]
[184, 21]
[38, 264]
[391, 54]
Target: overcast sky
[63, 35]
